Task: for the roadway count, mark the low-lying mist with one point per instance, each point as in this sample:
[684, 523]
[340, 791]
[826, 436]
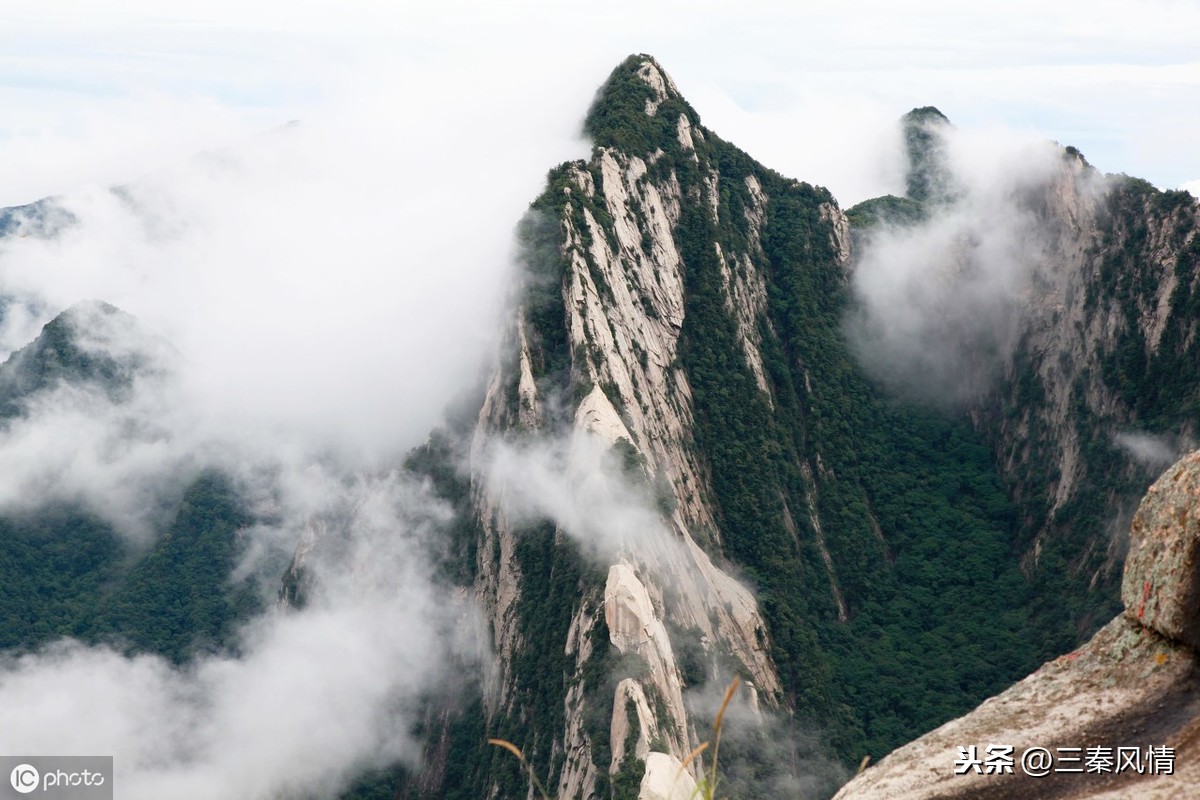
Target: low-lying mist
[314, 297]
[940, 300]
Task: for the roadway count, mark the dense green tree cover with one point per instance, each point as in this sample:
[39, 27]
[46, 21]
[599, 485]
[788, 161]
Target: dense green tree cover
[885, 210]
[618, 116]
[378, 784]
[55, 566]
[917, 525]
[65, 573]
[178, 598]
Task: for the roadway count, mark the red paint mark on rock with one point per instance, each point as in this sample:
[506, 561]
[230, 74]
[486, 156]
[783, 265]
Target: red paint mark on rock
[1145, 597]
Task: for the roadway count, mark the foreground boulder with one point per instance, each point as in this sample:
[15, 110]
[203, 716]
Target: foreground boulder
[1161, 589]
[1117, 718]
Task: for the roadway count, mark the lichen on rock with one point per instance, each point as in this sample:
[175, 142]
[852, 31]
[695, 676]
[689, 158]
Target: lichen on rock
[1161, 587]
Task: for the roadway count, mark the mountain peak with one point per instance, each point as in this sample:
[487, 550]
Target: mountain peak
[929, 176]
[90, 343]
[925, 115]
[637, 109]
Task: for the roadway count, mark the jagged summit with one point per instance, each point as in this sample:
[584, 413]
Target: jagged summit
[869, 567]
[639, 109]
[928, 179]
[926, 115]
[686, 308]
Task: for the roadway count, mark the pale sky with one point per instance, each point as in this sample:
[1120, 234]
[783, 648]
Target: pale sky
[806, 88]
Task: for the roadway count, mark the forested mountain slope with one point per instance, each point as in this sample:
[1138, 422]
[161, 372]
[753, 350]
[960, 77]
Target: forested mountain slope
[1083, 371]
[64, 570]
[703, 450]
[908, 557]
[685, 306]
[1119, 714]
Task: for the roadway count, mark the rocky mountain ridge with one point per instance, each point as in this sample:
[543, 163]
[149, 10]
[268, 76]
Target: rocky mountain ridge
[669, 240]
[682, 310]
[680, 469]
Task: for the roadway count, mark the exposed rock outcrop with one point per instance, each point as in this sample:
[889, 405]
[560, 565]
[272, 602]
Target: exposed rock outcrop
[1106, 347]
[1136, 684]
[634, 627]
[684, 311]
[622, 305]
[665, 781]
[1161, 589]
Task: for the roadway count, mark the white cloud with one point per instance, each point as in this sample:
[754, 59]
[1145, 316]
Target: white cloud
[330, 286]
[1149, 449]
[313, 699]
[336, 280]
[940, 300]
[580, 484]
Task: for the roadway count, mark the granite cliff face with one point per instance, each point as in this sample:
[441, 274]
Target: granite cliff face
[871, 565]
[1136, 684]
[1100, 391]
[616, 313]
[679, 469]
[681, 313]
